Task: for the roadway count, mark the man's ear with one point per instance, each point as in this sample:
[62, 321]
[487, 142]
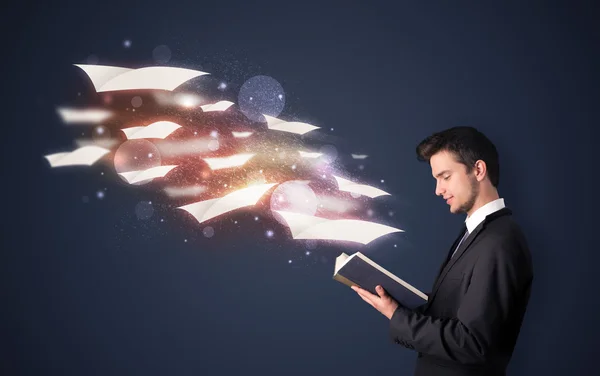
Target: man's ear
[480, 170]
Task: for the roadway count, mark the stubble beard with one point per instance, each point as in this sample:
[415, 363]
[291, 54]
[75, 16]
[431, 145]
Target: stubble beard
[468, 205]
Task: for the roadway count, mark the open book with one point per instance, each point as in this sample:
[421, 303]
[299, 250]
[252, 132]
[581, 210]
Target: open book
[359, 270]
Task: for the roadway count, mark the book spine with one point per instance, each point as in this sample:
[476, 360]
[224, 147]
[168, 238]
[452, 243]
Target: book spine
[344, 280]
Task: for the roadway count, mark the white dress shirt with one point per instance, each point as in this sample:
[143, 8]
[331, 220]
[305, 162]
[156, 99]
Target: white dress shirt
[479, 215]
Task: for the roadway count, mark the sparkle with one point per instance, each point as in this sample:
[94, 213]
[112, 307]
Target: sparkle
[102, 173]
[126, 43]
[370, 213]
[250, 98]
[256, 218]
[280, 96]
[100, 195]
[307, 253]
[150, 155]
[185, 240]
[383, 181]
[195, 133]
[162, 219]
[260, 171]
[391, 213]
[214, 134]
[235, 222]
[361, 167]
[225, 185]
[395, 245]
[332, 129]
[324, 176]
[289, 261]
[293, 167]
[187, 100]
[222, 86]
[269, 233]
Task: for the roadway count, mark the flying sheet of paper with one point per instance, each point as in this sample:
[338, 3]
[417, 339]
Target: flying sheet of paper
[83, 116]
[288, 126]
[226, 162]
[106, 143]
[305, 154]
[305, 226]
[192, 146]
[241, 134]
[205, 210]
[219, 106]
[191, 190]
[336, 204]
[159, 129]
[108, 78]
[359, 156]
[363, 189]
[83, 156]
[133, 177]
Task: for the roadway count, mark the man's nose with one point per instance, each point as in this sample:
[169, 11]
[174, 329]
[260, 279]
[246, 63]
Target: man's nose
[439, 190]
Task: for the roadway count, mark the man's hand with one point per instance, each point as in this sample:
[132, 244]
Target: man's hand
[383, 303]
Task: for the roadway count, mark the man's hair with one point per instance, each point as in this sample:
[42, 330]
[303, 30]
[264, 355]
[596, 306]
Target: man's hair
[467, 144]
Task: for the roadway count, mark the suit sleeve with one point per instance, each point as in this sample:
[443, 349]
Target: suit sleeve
[471, 336]
[421, 308]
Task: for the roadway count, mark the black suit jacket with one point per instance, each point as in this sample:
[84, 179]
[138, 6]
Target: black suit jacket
[471, 321]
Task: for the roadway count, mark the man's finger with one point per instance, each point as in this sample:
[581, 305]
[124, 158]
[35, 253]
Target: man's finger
[367, 296]
[364, 292]
[367, 300]
[381, 292]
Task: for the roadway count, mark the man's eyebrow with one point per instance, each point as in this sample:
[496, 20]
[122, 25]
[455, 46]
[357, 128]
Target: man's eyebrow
[441, 173]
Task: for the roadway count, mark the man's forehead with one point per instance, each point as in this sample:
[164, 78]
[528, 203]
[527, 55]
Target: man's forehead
[441, 163]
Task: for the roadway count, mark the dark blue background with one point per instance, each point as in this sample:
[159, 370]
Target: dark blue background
[87, 289]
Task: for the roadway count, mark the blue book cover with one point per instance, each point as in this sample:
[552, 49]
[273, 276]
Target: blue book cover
[359, 270]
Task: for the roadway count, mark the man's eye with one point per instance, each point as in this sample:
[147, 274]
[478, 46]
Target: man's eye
[447, 177]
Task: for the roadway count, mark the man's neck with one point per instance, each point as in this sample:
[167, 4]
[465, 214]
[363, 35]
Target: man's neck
[482, 200]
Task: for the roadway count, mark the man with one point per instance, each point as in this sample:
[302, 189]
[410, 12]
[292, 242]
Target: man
[471, 321]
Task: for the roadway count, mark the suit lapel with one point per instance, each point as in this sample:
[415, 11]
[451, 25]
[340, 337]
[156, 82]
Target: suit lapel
[446, 266]
[452, 248]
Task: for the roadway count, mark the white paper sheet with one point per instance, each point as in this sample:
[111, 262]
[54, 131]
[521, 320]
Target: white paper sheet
[208, 209]
[108, 78]
[159, 129]
[288, 126]
[305, 226]
[83, 156]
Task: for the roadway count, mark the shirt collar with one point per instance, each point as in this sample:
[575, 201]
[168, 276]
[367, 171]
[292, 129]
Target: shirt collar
[479, 215]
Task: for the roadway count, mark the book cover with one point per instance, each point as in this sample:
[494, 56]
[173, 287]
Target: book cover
[359, 270]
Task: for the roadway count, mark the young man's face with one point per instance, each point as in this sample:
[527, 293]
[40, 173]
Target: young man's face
[459, 189]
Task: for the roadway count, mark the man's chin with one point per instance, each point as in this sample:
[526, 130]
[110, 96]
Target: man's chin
[455, 210]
